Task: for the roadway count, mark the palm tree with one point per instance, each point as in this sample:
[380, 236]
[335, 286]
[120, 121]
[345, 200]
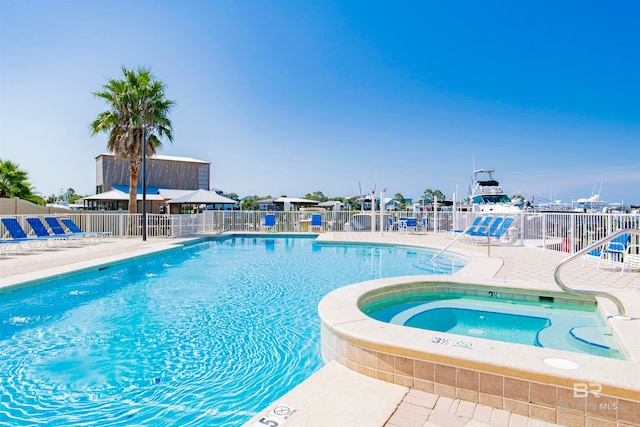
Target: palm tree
[137, 105]
[13, 181]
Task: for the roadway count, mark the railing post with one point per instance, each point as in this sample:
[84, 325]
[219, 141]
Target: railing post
[545, 218]
[572, 234]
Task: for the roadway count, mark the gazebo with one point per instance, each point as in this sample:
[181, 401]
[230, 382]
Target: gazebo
[116, 200]
[198, 200]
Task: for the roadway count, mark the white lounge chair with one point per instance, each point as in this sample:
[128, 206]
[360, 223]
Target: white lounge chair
[631, 258]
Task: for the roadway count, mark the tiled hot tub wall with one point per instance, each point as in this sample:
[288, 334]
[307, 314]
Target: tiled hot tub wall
[540, 400]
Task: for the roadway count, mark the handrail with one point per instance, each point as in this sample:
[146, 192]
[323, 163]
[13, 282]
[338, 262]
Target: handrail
[561, 264]
[452, 242]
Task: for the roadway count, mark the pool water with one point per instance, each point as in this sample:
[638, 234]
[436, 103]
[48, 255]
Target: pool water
[208, 334]
[576, 327]
[480, 323]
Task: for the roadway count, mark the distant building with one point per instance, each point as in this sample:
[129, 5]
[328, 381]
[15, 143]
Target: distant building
[168, 172]
[167, 177]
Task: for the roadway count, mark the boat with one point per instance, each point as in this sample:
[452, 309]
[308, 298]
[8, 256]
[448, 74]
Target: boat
[487, 195]
[591, 204]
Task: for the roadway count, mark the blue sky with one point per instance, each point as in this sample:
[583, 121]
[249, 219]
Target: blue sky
[292, 97]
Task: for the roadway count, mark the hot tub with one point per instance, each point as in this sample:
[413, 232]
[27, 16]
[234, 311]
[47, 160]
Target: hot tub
[539, 320]
[557, 385]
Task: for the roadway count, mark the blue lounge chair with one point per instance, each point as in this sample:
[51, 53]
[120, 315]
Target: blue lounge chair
[494, 232]
[485, 230]
[456, 232]
[73, 228]
[412, 224]
[57, 229]
[406, 223]
[316, 222]
[422, 225]
[614, 250]
[18, 235]
[596, 252]
[498, 232]
[478, 228]
[592, 254]
[10, 245]
[392, 224]
[269, 221]
[41, 231]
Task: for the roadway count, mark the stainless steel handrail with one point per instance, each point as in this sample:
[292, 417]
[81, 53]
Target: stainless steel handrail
[561, 264]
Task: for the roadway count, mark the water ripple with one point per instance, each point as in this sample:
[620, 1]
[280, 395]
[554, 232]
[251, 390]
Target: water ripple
[208, 335]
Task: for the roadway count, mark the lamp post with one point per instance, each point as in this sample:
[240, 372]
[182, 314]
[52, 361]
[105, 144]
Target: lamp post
[383, 209]
[144, 183]
[373, 210]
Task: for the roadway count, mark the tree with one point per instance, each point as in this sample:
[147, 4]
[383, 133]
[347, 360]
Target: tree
[351, 204]
[400, 201]
[430, 194]
[249, 204]
[137, 104]
[14, 183]
[316, 195]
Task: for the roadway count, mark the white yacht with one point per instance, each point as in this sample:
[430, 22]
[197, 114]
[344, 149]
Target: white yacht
[488, 196]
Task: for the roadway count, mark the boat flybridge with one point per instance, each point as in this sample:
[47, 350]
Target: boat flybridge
[488, 196]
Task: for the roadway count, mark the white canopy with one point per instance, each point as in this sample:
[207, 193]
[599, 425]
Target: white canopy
[169, 194]
[202, 197]
[295, 200]
[119, 195]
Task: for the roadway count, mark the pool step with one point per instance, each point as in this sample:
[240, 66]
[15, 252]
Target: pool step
[590, 335]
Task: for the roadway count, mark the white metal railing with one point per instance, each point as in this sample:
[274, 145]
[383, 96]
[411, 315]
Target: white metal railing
[583, 252]
[566, 232]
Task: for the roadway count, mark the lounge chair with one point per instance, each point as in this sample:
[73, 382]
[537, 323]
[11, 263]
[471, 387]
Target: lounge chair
[615, 250]
[594, 253]
[631, 258]
[484, 233]
[496, 231]
[455, 233]
[41, 231]
[316, 222]
[478, 228]
[73, 228]
[57, 229]
[392, 225]
[407, 224]
[6, 246]
[499, 231]
[422, 225]
[269, 222]
[18, 235]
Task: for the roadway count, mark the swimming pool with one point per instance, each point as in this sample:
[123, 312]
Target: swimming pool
[536, 320]
[208, 334]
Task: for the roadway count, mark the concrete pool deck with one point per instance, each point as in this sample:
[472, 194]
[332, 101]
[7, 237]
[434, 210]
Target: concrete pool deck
[337, 395]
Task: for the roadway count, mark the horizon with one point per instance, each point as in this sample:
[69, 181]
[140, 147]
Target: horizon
[338, 97]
